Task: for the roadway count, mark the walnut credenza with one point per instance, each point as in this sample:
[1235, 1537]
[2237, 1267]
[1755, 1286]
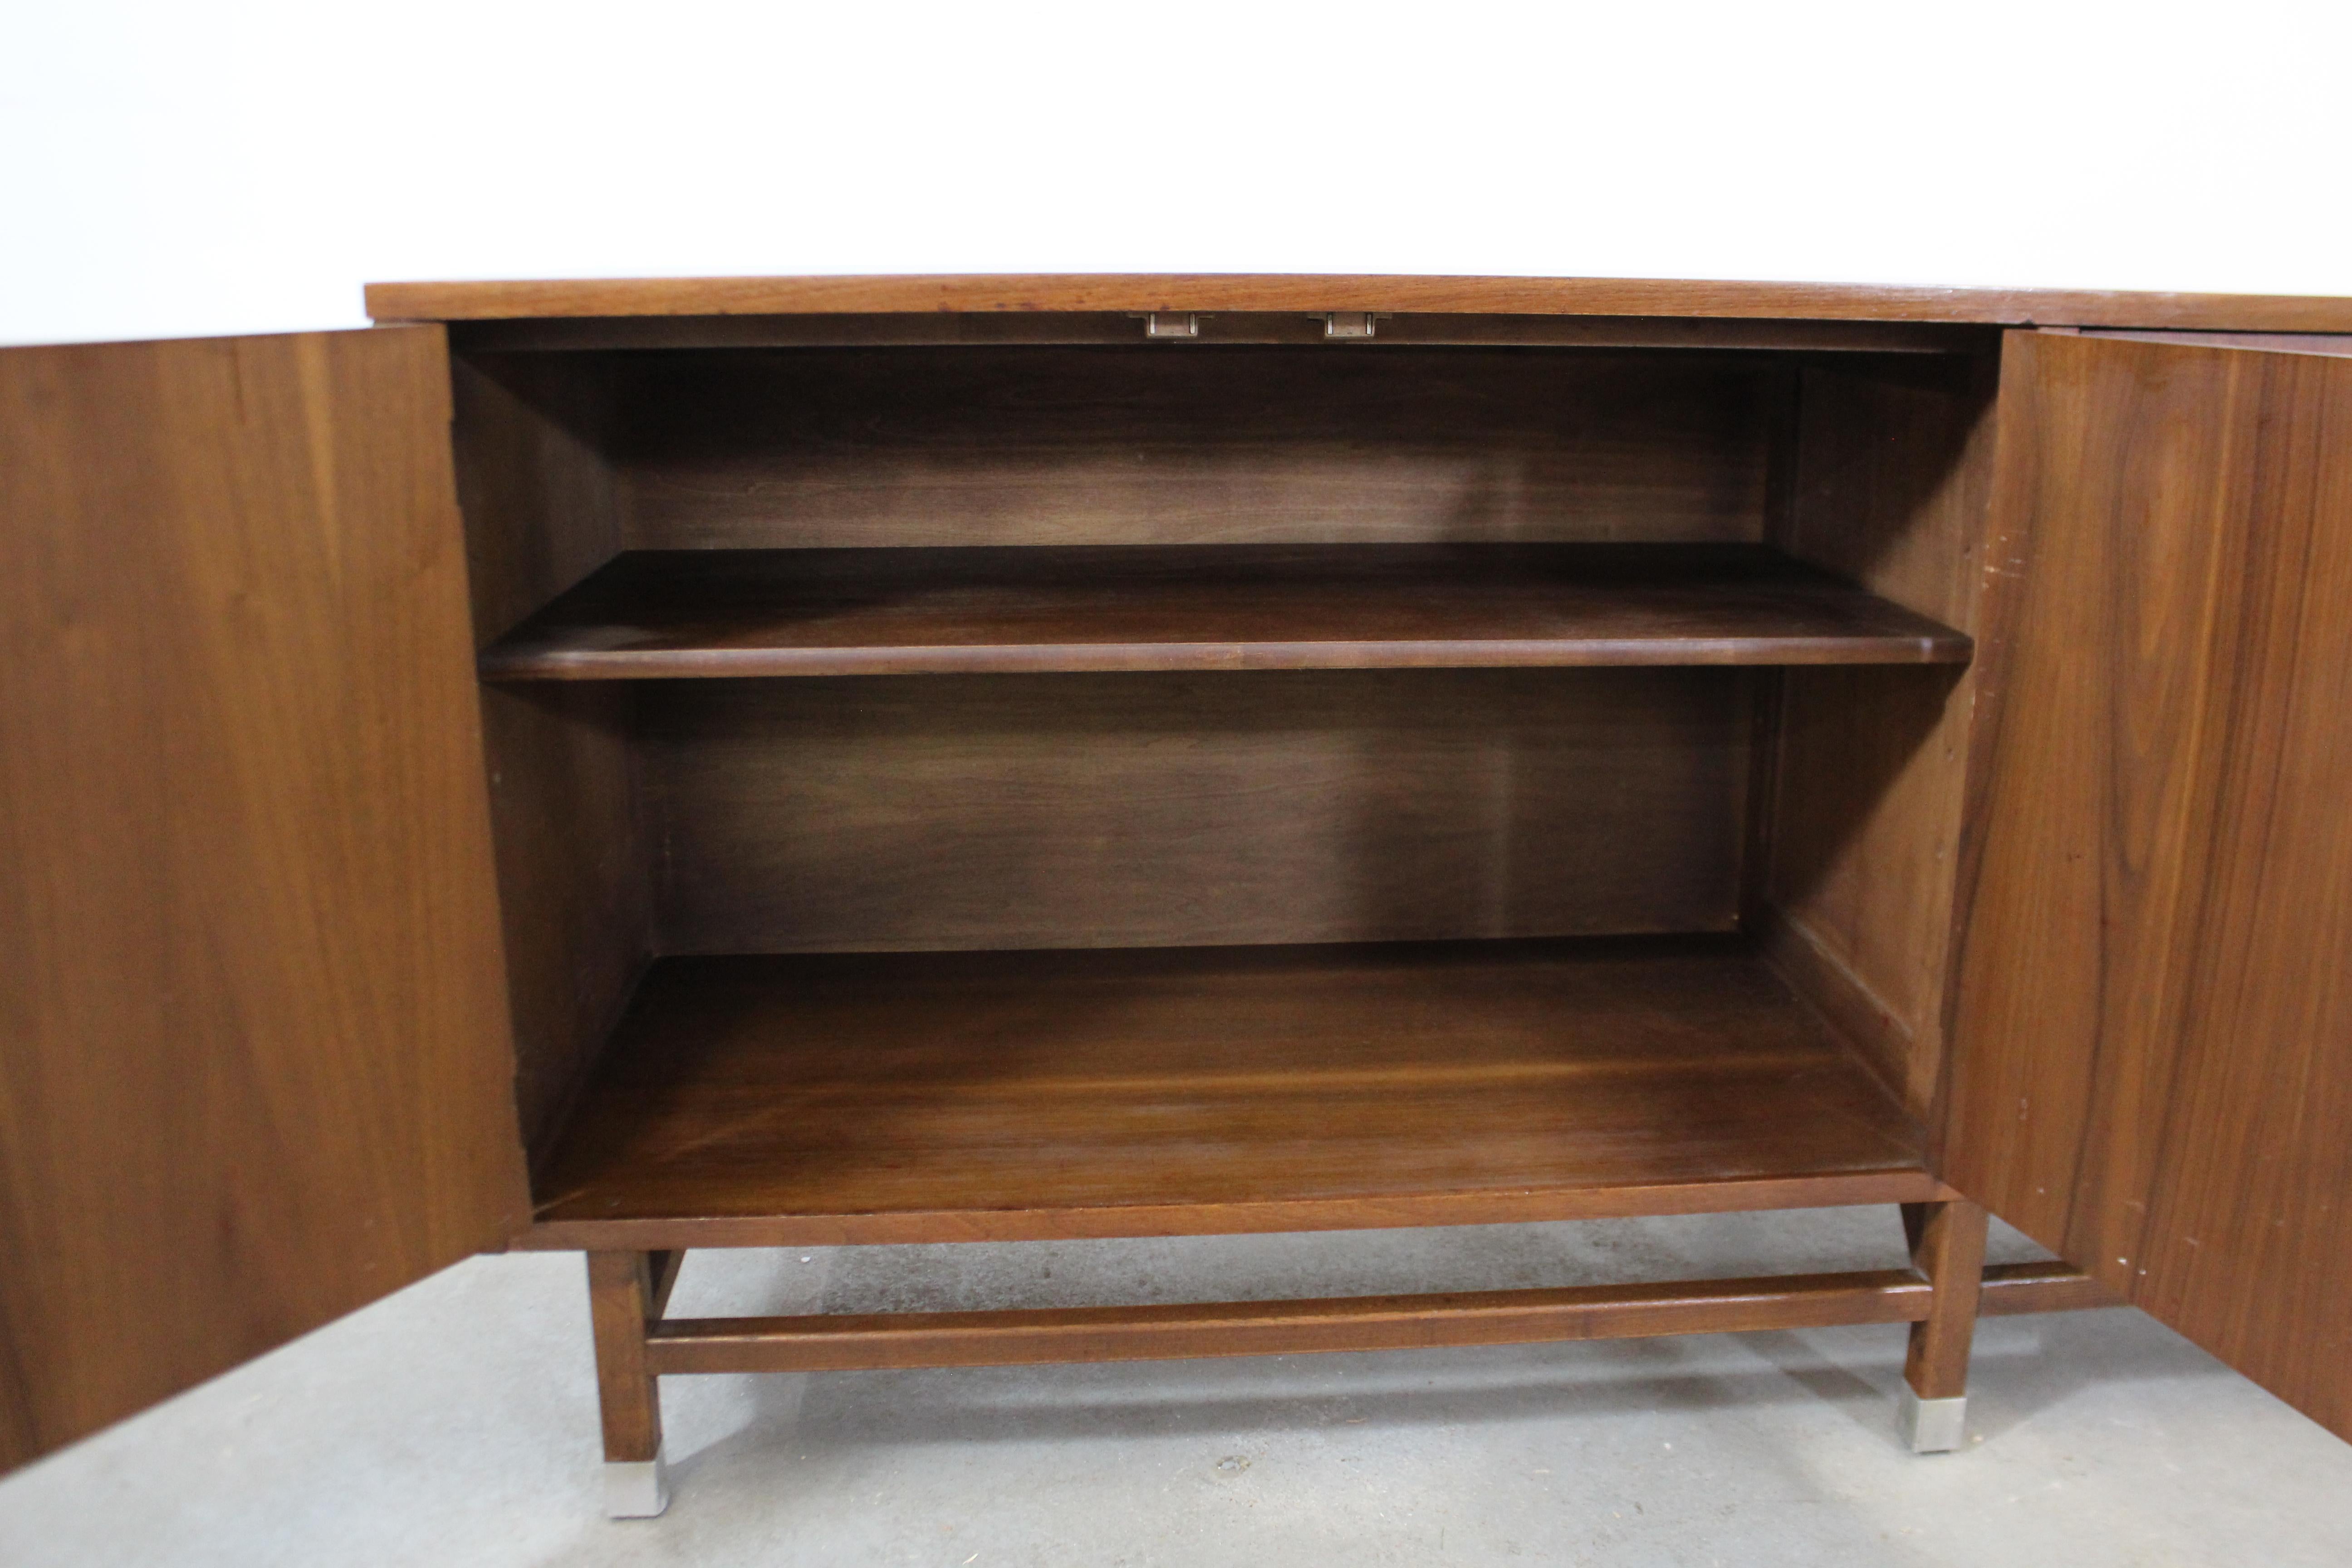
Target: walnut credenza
[637, 767]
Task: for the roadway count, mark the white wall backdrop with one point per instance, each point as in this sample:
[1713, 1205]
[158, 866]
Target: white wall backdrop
[175, 169]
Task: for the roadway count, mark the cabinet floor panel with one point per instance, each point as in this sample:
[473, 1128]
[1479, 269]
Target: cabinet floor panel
[655, 614]
[784, 1101]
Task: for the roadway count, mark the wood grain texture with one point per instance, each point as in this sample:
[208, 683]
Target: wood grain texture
[542, 508]
[1025, 1337]
[1314, 292]
[852, 1341]
[2117, 570]
[671, 614]
[541, 499]
[2149, 1067]
[621, 1307]
[2339, 344]
[575, 862]
[1891, 480]
[1947, 1249]
[576, 333]
[1741, 1195]
[662, 1271]
[1155, 445]
[2010, 1288]
[1187, 809]
[253, 1052]
[1001, 1096]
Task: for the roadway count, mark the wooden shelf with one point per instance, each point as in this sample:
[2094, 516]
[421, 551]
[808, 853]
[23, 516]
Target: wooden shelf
[930, 1097]
[656, 614]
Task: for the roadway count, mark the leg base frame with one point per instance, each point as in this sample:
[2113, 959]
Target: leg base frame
[637, 1343]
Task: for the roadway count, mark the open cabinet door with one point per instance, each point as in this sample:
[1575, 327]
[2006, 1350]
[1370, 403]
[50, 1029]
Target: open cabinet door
[255, 1068]
[2152, 1027]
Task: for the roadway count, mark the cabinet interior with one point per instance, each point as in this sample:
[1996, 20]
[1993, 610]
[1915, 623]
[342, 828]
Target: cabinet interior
[971, 788]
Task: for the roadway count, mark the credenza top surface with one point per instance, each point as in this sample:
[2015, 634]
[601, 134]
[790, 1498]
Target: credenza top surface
[885, 294]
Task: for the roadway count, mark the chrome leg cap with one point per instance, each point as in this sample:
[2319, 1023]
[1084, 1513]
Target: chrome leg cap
[1931, 1425]
[640, 1491]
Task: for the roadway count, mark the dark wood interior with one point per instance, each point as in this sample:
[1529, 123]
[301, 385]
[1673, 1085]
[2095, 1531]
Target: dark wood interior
[575, 862]
[1154, 444]
[789, 1100]
[1189, 809]
[1889, 486]
[686, 613]
[1010, 653]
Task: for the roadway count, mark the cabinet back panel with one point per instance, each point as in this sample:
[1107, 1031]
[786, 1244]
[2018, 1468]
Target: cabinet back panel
[1113, 810]
[1185, 443]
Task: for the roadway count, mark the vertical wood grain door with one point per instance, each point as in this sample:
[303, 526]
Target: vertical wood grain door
[2152, 1025]
[255, 1066]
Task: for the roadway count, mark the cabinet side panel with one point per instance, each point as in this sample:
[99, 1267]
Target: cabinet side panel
[542, 511]
[541, 504]
[1893, 469]
[255, 1066]
[1178, 444]
[1107, 811]
[574, 882]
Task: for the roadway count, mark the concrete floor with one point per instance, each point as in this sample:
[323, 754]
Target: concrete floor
[456, 1423]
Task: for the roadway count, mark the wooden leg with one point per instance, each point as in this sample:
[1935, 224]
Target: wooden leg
[1915, 1221]
[1947, 1245]
[621, 1290]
